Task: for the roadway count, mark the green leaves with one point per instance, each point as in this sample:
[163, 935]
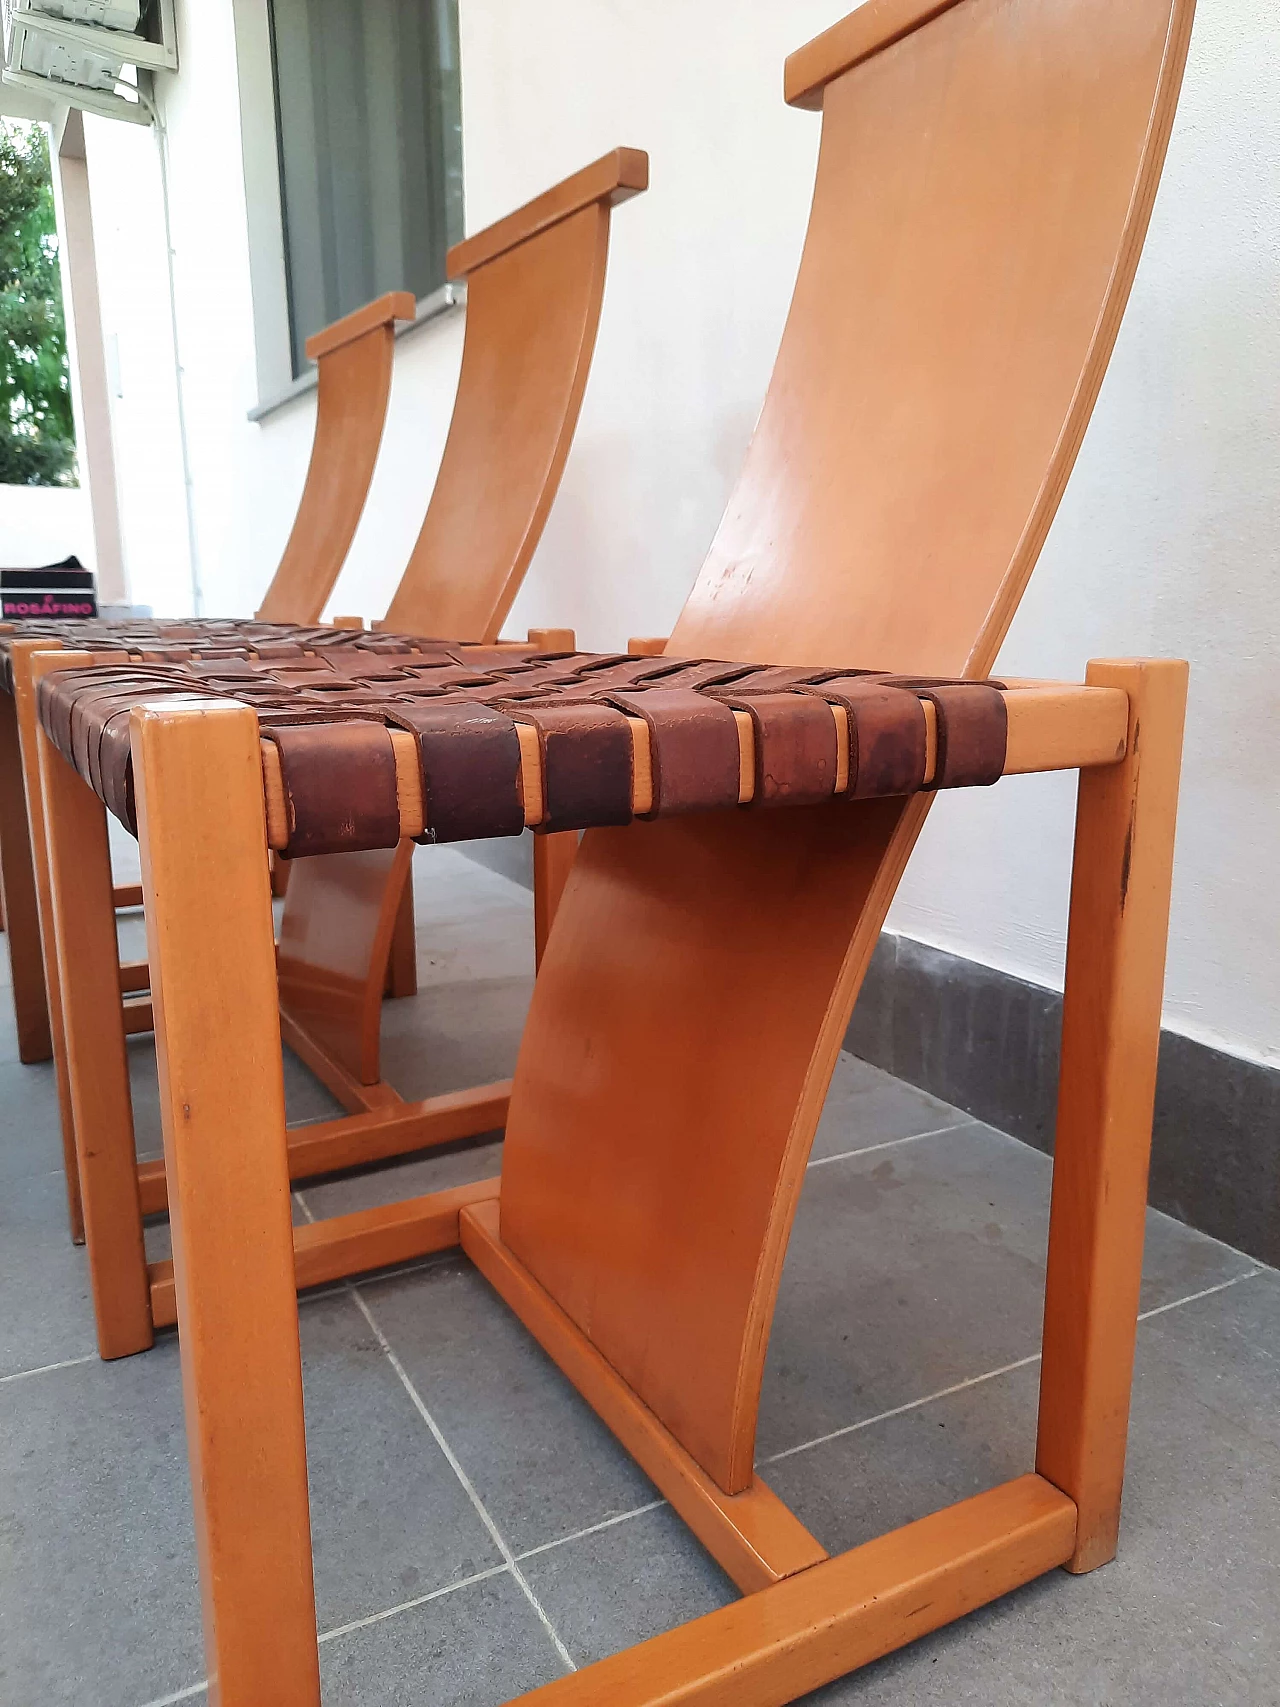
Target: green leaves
[37, 432]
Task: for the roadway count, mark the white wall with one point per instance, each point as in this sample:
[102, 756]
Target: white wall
[1166, 541]
[44, 524]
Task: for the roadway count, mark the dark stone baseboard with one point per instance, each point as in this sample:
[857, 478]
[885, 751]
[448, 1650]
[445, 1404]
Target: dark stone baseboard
[989, 1043]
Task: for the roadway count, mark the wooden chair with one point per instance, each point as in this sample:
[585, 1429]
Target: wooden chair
[928, 401]
[353, 357]
[535, 283]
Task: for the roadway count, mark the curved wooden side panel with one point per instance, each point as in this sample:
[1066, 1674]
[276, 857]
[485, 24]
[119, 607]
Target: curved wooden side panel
[532, 314]
[983, 190]
[685, 1023]
[351, 407]
[335, 935]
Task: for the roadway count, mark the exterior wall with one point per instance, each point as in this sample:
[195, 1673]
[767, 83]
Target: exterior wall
[1166, 541]
[44, 524]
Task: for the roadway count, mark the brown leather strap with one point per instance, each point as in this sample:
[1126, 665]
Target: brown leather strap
[586, 764]
[888, 736]
[340, 787]
[796, 747]
[973, 732]
[693, 748]
[470, 760]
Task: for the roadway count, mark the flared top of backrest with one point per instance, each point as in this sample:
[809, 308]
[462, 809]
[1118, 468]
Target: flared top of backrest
[984, 183]
[353, 358]
[534, 286]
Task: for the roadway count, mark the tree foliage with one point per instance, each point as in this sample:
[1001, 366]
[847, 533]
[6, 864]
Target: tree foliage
[37, 433]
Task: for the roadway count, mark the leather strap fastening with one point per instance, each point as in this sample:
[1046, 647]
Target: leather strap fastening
[340, 787]
[888, 736]
[470, 761]
[973, 731]
[796, 747]
[693, 748]
[586, 764]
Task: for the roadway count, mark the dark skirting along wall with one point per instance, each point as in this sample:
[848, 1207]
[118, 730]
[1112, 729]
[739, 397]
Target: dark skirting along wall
[988, 1043]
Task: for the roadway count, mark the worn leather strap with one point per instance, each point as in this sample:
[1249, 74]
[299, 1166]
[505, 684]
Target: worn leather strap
[973, 731]
[586, 764]
[339, 785]
[693, 748]
[888, 736]
[796, 746]
[470, 757]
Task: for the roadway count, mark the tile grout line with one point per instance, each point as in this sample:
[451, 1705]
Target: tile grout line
[1195, 1297]
[186, 1694]
[591, 1529]
[411, 1605]
[481, 1510]
[994, 1374]
[900, 1410]
[892, 1143]
[48, 1368]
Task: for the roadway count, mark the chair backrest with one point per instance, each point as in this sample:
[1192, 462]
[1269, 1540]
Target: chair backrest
[986, 172]
[353, 384]
[534, 286]
[986, 175]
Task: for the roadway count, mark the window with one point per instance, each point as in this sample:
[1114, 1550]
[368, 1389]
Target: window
[368, 120]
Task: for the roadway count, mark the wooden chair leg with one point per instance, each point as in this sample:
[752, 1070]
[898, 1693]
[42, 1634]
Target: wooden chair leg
[1110, 1041]
[553, 857]
[198, 773]
[402, 962]
[17, 881]
[97, 1056]
[24, 698]
[336, 935]
[280, 869]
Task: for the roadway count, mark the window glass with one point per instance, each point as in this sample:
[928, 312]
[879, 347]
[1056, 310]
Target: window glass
[368, 117]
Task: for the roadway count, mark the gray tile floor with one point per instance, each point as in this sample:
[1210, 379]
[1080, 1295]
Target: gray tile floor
[477, 1531]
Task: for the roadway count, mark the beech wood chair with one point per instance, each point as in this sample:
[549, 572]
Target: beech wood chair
[927, 404]
[535, 284]
[353, 360]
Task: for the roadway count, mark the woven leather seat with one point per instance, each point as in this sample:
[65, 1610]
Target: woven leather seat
[714, 735]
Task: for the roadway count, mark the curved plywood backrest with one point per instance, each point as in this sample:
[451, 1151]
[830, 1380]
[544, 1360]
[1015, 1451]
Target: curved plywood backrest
[534, 286]
[981, 199]
[352, 387]
[986, 174]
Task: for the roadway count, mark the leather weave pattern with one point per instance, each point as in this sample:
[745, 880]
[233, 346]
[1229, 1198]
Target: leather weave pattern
[326, 699]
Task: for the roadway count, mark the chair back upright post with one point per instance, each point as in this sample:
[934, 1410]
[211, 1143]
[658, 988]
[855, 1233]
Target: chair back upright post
[986, 174]
[354, 358]
[535, 281]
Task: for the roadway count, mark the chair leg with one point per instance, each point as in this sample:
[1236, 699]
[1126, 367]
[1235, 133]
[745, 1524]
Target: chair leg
[17, 878]
[22, 657]
[84, 928]
[1110, 1041]
[198, 773]
[402, 962]
[553, 857]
